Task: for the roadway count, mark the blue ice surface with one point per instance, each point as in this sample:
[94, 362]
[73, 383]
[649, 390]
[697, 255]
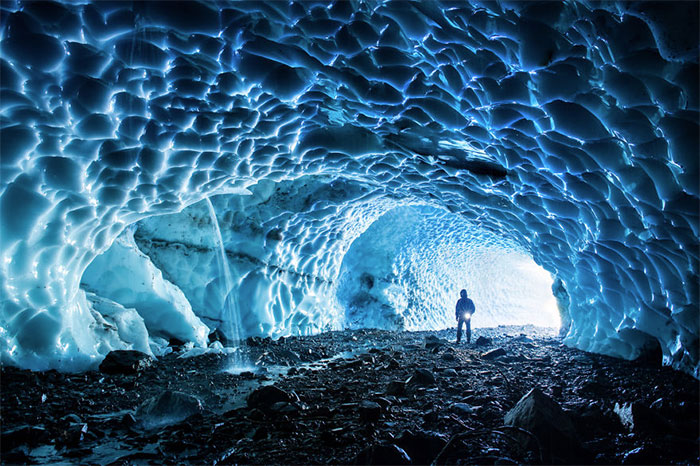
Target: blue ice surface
[569, 128]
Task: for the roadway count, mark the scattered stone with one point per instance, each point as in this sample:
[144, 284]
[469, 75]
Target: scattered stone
[370, 411]
[431, 341]
[646, 454]
[463, 409]
[284, 407]
[544, 418]
[324, 420]
[641, 419]
[421, 377]
[482, 341]
[422, 447]
[494, 353]
[266, 396]
[386, 453]
[170, 407]
[125, 362]
[23, 435]
[128, 420]
[71, 419]
[396, 388]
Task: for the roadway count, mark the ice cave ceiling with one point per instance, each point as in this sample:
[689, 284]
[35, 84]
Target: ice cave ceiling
[564, 131]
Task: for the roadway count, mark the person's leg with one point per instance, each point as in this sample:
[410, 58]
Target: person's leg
[459, 330]
[469, 331]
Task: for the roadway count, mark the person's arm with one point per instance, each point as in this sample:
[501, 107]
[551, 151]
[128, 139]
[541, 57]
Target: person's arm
[457, 311]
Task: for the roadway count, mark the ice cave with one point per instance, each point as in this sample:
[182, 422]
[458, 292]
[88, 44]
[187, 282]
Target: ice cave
[200, 180]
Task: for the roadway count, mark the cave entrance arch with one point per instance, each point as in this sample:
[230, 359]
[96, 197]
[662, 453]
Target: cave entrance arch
[406, 270]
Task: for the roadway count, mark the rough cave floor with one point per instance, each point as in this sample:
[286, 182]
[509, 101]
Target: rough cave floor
[355, 396]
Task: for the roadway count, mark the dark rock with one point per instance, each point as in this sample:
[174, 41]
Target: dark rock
[71, 419]
[482, 341]
[645, 454]
[494, 353]
[128, 420]
[642, 419]
[176, 343]
[422, 447]
[256, 415]
[393, 364]
[284, 407]
[396, 388]
[170, 407]
[543, 417]
[386, 453]
[463, 409]
[593, 418]
[266, 396]
[24, 435]
[260, 433]
[430, 416]
[450, 373]
[422, 377]
[431, 341]
[218, 335]
[370, 411]
[125, 362]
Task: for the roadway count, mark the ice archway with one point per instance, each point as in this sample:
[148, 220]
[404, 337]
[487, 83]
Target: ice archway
[570, 128]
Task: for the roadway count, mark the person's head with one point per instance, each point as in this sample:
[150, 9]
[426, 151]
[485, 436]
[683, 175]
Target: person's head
[463, 293]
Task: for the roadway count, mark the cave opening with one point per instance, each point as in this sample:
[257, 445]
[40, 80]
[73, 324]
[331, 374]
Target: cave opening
[406, 270]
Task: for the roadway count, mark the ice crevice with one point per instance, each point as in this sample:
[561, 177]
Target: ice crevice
[362, 160]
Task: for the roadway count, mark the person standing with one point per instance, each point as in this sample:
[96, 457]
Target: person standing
[463, 312]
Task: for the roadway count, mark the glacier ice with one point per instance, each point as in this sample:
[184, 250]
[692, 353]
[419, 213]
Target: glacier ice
[127, 276]
[569, 130]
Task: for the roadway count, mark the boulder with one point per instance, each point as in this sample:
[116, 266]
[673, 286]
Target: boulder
[482, 341]
[544, 418]
[463, 409]
[170, 407]
[431, 341]
[370, 411]
[422, 447]
[422, 377]
[386, 453]
[642, 419]
[125, 362]
[24, 435]
[396, 388]
[266, 396]
[494, 353]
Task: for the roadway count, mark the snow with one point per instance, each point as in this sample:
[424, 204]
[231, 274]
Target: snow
[570, 132]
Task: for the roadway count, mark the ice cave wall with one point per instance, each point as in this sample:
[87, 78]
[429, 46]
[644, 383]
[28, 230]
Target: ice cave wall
[571, 127]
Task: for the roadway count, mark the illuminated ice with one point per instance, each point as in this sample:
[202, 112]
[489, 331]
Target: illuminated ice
[570, 130]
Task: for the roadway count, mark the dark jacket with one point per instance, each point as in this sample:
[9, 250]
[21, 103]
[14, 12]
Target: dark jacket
[464, 305]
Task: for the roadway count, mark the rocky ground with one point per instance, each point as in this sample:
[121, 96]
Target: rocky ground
[367, 397]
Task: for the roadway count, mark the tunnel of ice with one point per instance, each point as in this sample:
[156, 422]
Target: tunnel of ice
[564, 132]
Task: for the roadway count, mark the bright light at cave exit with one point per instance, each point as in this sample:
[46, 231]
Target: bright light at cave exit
[509, 288]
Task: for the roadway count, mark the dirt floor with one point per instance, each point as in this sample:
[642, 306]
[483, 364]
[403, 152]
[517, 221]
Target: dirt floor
[361, 397]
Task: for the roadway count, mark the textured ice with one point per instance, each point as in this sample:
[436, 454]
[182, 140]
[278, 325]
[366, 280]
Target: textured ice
[571, 129]
[127, 276]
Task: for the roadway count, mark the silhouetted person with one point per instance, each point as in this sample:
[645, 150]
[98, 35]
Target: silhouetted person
[463, 313]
